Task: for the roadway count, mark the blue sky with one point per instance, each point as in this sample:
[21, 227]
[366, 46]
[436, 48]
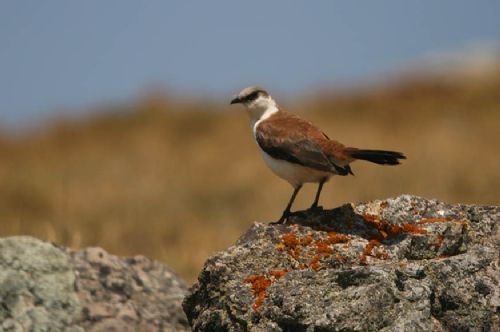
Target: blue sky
[73, 54]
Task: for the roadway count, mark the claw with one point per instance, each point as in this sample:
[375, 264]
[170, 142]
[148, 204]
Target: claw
[283, 219]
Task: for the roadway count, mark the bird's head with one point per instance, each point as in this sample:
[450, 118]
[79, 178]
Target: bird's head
[255, 99]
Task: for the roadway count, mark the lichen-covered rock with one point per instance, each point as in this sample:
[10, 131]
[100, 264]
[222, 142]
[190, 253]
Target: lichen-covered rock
[36, 287]
[48, 288]
[402, 264]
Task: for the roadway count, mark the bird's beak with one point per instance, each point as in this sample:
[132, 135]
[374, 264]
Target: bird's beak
[236, 100]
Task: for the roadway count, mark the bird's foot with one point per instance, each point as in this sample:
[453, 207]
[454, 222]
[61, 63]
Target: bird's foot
[283, 219]
[277, 222]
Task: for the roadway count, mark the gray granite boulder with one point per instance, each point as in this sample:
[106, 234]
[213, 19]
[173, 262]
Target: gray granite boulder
[48, 288]
[402, 264]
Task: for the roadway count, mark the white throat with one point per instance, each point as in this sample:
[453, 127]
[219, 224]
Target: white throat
[260, 111]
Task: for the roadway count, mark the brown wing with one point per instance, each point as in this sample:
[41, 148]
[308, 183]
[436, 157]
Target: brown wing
[288, 137]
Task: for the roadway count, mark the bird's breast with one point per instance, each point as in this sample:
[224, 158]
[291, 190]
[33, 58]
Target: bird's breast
[295, 174]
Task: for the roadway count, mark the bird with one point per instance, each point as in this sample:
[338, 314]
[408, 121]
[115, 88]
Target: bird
[298, 151]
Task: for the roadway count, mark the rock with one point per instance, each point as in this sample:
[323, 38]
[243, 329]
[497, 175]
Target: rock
[48, 288]
[402, 264]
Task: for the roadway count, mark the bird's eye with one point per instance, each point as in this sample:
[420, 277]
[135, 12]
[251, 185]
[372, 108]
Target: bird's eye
[253, 96]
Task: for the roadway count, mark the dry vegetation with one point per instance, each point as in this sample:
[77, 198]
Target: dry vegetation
[178, 180]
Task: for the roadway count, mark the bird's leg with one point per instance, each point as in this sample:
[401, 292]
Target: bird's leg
[316, 200]
[286, 213]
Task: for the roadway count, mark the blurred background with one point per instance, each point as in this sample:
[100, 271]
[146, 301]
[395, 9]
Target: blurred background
[115, 128]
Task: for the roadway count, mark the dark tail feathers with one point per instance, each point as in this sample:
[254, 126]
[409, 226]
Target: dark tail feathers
[378, 156]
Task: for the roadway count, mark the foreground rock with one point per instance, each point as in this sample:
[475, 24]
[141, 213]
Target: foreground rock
[403, 264]
[47, 288]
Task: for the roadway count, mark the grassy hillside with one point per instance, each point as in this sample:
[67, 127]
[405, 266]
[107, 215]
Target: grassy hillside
[179, 180]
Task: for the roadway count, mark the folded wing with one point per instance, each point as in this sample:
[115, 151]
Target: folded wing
[287, 137]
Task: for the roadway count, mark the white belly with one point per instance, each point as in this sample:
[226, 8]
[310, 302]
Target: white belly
[295, 174]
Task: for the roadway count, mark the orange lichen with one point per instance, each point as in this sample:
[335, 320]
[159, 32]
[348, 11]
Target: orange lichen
[259, 301]
[290, 240]
[439, 242]
[433, 220]
[395, 230]
[370, 217]
[341, 258]
[280, 246]
[369, 247]
[334, 238]
[294, 253]
[259, 284]
[382, 255]
[295, 244]
[405, 228]
[323, 247]
[368, 250]
[314, 264]
[315, 259]
[373, 221]
[278, 273]
[386, 231]
[298, 247]
[384, 234]
[411, 228]
[306, 241]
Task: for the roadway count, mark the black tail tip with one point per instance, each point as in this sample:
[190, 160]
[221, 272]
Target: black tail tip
[381, 157]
